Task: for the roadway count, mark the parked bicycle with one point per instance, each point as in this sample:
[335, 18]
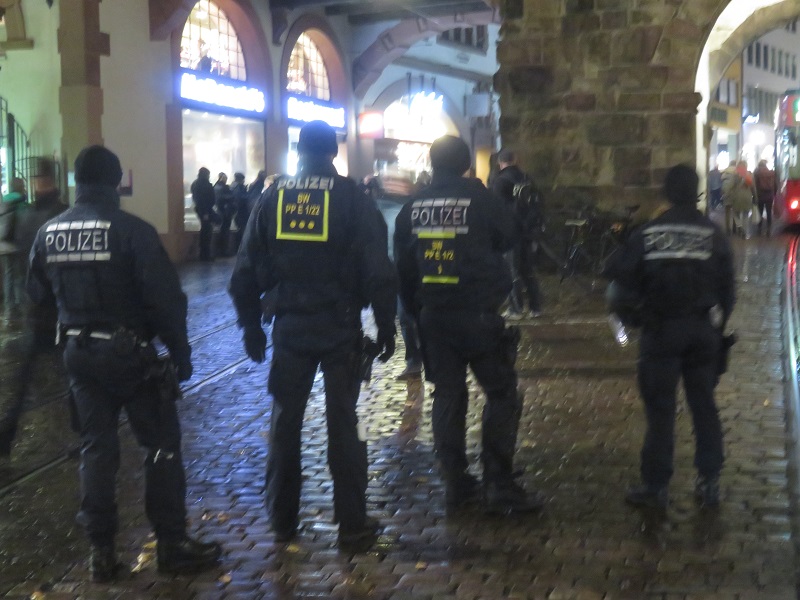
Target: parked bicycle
[591, 237]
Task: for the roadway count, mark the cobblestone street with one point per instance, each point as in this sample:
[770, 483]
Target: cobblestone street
[579, 441]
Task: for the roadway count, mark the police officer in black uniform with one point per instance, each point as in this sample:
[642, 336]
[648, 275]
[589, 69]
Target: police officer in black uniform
[316, 244]
[681, 267]
[116, 290]
[449, 243]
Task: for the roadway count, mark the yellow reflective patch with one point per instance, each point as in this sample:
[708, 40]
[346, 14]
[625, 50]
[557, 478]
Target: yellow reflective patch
[303, 215]
[434, 235]
[439, 279]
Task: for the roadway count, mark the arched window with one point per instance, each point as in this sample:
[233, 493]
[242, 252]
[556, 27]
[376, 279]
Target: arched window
[307, 74]
[209, 43]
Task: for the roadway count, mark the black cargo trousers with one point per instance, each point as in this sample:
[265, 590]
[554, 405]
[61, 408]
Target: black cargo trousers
[669, 349]
[102, 383]
[453, 340]
[303, 343]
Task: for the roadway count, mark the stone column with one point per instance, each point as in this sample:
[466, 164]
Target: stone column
[598, 98]
[80, 45]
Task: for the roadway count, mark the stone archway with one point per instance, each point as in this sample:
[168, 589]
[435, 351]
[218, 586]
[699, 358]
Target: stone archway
[15, 26]
[324, 37]
[760, 22]
[167, 18]
[395, 42]
[600, 103]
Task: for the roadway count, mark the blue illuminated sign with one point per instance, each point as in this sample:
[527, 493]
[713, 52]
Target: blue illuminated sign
[228, 96]
[305, 110]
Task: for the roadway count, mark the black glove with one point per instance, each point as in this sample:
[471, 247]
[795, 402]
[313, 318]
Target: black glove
[255, 343]
[386, 342]
[184, 370]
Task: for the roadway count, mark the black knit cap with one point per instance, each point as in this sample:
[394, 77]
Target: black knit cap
[317, 138]
[97, 164]
[680, 185]
[450, 154]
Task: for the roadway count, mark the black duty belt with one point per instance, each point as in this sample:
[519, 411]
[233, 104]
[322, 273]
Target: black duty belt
[124, 340]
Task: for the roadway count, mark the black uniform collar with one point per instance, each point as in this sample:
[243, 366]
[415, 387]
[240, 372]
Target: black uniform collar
[316, 165]
[97, 193]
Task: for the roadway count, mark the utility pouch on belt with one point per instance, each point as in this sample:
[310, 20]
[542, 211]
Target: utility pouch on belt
[725, 351]
[369, 350]
[509, 342]
[124, 341]
[163, 373]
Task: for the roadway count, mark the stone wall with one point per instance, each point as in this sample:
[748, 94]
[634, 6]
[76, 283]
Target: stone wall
[597, 96]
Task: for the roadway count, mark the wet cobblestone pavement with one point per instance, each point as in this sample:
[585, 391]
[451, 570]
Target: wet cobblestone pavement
[579, 442]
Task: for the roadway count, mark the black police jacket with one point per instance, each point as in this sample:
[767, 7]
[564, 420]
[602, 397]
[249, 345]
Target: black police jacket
[679, 264]
[449, 242]
[503, 184]
[108, 269]
[203, 197]
[315, 242]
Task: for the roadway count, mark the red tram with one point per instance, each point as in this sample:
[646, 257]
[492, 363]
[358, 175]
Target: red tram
[787, 167]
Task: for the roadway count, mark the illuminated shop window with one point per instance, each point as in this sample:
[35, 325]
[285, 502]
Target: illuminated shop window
[210, 44]
[419, 118]
[307, 74]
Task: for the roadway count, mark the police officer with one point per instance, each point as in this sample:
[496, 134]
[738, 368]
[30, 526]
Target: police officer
[116, 290]
[315, 243]
[204, 198]
[681, 267]
[521, 257]
[449, 243]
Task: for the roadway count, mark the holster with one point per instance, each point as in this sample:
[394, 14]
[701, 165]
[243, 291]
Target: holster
[162, 372]
[369, 350]
[725, 351]
[509, 344]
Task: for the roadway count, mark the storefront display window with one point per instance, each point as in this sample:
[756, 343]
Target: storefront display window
[411, 124]
[307, 74]
[209, 43]
[222, 144]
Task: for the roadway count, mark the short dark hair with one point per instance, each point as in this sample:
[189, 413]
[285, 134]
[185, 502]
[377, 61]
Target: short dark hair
[506, 155]
[450, 154]
[680, 185]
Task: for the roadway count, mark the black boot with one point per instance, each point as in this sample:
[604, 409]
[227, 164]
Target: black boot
[7, 440]
[505, 497]
[460, 490]
[359, 539]
[706, 491]
[186, 555]
[103, 564]
[645, 496]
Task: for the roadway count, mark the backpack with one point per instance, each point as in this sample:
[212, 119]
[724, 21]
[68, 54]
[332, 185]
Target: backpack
[528, 207]
[764, 180]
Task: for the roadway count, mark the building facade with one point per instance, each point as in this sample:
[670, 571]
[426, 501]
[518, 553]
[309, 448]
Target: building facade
[173, 86]
[769, 69]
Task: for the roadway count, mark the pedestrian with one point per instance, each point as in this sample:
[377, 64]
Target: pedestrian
[316, 243]
[203, 199]
[225, 205]
[715, 187]
[765, 190]
[518, 193]
[449, 243]
[257, 186]
[727, 177]
[40, 320]
[390, 205]
[14, 204]
[113, 298]
[242, 206]
[681, 267]
[739, 196]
